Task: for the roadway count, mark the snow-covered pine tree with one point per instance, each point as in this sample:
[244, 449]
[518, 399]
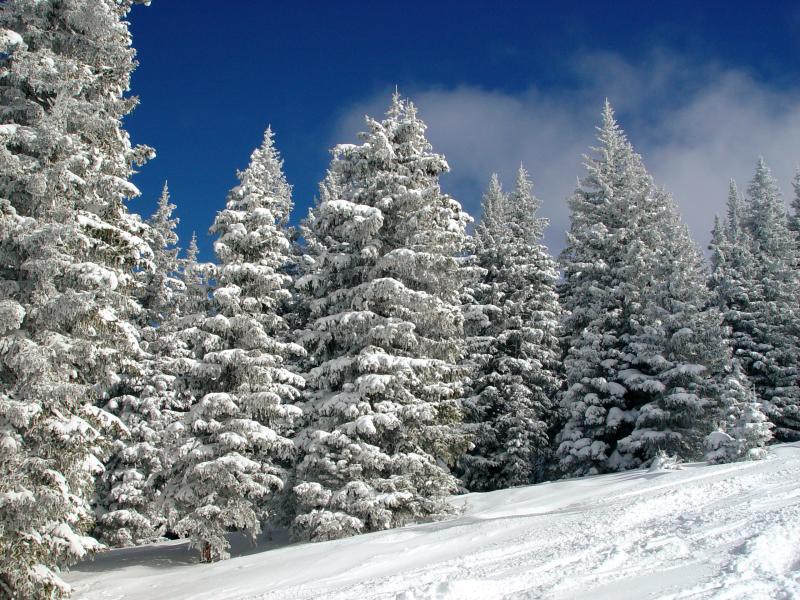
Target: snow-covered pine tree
[69, 251]
[480, 315]
[641, 350]
[234, 449]
[162, 283]
[127, 499]
[384, 338]
[494, 211]
[732, 278]
[678, 349]
[794, 218]
[772, 358]
[513, 409]
[742, 428]
[177, 348]
[195, 277]
[597, 295]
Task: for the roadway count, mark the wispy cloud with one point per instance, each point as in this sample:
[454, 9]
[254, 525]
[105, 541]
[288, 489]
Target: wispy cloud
[696, 125]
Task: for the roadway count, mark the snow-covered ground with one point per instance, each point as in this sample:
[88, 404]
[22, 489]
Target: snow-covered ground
[727, 531]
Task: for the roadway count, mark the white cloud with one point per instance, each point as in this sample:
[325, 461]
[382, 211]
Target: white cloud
[695, 125]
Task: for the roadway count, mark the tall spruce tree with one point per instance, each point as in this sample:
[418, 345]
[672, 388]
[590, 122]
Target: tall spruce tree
[177, 348]
[161, 284]
[678, 341]
[732, 279]
[480, 315]
[384, 337]
[642, 350]
[195, 277]
[515, 343]
[69, 251]
[234, 450]
[127, 498]
[772, 357]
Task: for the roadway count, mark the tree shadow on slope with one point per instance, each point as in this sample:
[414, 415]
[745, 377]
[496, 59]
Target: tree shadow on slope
[167, 555]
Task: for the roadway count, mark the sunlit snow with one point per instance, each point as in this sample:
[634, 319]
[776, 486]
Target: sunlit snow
[725, 531]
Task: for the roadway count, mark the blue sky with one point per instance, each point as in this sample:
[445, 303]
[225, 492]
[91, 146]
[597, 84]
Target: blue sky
[702, 88]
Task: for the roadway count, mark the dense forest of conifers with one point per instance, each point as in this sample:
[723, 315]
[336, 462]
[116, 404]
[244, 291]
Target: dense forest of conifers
[352, 373]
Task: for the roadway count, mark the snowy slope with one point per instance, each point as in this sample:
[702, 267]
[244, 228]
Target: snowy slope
[726, 531]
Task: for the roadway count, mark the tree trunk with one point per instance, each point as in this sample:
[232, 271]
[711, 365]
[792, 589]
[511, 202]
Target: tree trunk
[205, 553]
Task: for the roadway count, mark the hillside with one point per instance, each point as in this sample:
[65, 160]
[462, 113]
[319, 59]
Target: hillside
[727, 531]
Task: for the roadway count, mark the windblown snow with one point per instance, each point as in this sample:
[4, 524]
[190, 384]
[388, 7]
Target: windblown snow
[724, 531]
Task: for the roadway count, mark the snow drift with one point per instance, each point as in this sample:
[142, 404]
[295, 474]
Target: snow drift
[724, 531]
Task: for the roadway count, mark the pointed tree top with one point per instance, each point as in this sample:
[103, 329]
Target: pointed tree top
[734, 210]
[493, 205]
[524, 205]
[400, 107]
[522, 174]
[718, 239]
[609, 119]
[268, 137]
[763, 185]
[162, 223]
[734, 201]
[397, 106]
[717, 232]
[493, 192]
[192, 251]
[411, 110]
[165, 208]
[523, 186]
[609, 132]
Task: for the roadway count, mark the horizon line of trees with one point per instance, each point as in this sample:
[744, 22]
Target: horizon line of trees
[349, 375]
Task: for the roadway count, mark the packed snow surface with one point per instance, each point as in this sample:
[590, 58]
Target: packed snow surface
[725, 531]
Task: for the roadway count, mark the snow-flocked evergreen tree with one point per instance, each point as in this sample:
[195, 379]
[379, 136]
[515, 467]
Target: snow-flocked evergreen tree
[176, 347]
[233, 446]
[742, 428]
[771, 356]
[162, 284]
[642, 346]
[128, 507]
[678, 341]
[732, 266]
[69, 250]
[794, 218]
[514, 342]
[384, 337]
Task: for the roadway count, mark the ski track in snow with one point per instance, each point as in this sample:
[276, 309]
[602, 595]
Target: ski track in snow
[726, 531]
